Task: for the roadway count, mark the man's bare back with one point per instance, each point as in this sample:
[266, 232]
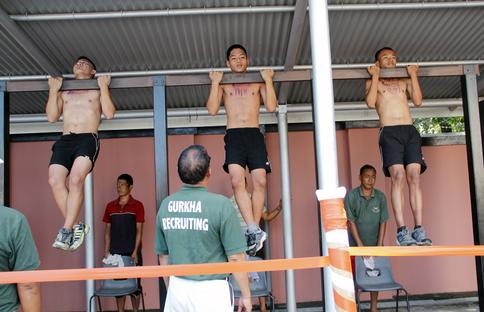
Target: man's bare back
[242, 102]
[81, 111]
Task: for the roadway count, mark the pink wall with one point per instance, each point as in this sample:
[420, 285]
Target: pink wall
[447, 214]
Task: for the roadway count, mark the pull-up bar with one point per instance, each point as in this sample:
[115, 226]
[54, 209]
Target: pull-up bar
[203, 79]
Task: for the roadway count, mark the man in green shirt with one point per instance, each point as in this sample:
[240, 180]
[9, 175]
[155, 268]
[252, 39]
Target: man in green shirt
[17, 253]
[196, 226]
[367, 213]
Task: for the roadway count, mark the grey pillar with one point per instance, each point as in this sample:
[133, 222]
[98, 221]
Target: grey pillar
[286, 202]
[4, 139]
[475, 164]
[89, 239]
[161, 155]
[323, 111]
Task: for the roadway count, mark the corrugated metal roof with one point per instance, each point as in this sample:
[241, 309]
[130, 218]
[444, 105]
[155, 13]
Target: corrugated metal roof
[200, 41]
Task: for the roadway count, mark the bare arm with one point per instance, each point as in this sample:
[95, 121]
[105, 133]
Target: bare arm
[267, 91]
[53, 108]
[269, 216]
[139, 234]
[107, 104]
[381, 233]
[107, 239]
[242, 280]
[413, 86]
[29, 294]
[215, 97]
[163, 259]
[371, 88]
[355, 234]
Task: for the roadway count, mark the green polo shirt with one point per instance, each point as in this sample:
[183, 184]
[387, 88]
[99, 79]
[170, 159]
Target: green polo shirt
[17, 253]
[367, 214]
[196, 226]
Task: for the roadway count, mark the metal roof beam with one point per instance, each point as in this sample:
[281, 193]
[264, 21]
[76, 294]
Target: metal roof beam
[406, 6]
[187, 71]
[242, 10]
[182, 118]
[203, 79]
[26, 43]
[150, 13]
[450, 104]
[293, 45]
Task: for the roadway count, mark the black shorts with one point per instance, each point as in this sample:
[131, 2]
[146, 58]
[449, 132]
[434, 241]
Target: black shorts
[71, 146]
[245, 147]
[401, 145]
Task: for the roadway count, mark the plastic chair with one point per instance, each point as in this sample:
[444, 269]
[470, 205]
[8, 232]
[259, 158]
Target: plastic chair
[258, 288]
[118, 287]
[383, 282]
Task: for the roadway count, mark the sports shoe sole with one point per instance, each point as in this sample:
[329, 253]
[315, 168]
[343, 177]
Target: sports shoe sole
[261, 242]
[61, 246]
[251, 250]
[74, 247]
[424, 243]
[411, 244]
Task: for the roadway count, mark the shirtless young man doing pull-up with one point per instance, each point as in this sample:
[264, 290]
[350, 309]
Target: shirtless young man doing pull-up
[400, 142]
[244, 143]
[74, 154]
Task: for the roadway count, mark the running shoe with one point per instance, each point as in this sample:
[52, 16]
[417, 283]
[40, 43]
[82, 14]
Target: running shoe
[80, 230]
[420, 237]
[404, 238]
[63, 240]
[255, 241]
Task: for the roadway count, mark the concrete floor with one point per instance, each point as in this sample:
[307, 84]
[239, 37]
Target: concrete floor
[468, 304]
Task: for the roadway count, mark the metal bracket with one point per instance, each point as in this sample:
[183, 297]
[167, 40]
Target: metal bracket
[282, 109]
[159, 81]
[471, 69]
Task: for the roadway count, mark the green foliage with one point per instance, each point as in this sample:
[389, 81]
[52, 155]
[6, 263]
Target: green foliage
[435, 125]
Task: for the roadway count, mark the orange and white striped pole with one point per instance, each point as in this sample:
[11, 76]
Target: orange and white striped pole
[335, 226]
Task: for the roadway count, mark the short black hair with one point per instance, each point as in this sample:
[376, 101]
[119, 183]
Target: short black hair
[377, 53]
[366, 167]
[235, 46]
[83, 57]
[126, 177]
[193, 164]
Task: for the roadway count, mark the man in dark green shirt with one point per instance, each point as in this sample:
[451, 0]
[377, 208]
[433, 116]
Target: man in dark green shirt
[196, 226]
[17, 253]
[367, 213]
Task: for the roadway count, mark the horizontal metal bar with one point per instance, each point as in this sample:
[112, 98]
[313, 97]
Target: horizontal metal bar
[81, 84]
[221, 121]
[401, 64]
[434, 71]
[240, 10]
[184, 80]
[205, 70]
[202, 111]
[150, 13]
[406, 6]
[203, 79]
